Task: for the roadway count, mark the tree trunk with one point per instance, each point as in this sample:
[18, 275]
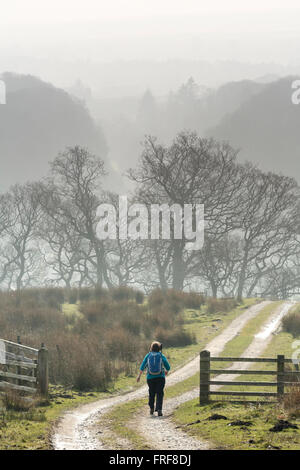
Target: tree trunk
[161, 269]
[242, 278]
[214, 289]
[162, 279]
[178, 265]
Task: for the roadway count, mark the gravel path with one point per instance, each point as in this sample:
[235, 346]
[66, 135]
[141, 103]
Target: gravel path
[79, 428]
[163, 429]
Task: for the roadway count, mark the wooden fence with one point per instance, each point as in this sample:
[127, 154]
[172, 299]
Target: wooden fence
[280, 373]
[23, 368]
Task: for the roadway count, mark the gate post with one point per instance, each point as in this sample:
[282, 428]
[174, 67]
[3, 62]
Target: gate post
[280, 376]
[204, 377]
[19, 382]
[43, 371]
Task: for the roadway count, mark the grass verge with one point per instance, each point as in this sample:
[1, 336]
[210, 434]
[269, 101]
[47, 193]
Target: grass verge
[256, 436]
[116, 422]
[31, 430]
[193, 419]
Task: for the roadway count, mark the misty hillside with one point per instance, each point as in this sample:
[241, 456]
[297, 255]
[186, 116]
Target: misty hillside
[37, 122]
[126, 121]
[266, 129]
[227, 99]
[40, 120]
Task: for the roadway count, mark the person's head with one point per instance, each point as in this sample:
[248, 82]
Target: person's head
[155, 346]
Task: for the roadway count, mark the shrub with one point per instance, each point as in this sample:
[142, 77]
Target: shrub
[174, 305]
[156, 299]
[29, 321]
[122, 344]
[122, 293]
[53, 297]
[100, 293]
[88, 377]
[128, 308]
[291, 401]
[44, 319]
[88, 351]
[97, 311]
[164, 318]
[291, 377]
[170, 299]
[220, 305]
[139, 297]
[175, 300]
[14, 401]
[73, 296]
[291, 323]
[175, 338]
[132, 325]
[193, 300]
[80, 361]
[85, 294]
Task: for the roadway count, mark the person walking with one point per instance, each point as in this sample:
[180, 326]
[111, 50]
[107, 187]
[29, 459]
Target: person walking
[157, 368]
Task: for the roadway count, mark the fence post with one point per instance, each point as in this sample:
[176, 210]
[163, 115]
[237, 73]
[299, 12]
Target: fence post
[280, 376]
[19, 382]
[204, 377]
[43, 371]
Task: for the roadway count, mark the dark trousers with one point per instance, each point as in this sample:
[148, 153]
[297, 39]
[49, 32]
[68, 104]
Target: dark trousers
[156, 388]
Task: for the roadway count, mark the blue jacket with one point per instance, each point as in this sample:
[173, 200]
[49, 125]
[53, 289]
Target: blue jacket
[165, 364]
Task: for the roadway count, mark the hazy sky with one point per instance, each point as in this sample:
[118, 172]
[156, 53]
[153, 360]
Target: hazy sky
[193, 29]
[62, 40]
[231, 11]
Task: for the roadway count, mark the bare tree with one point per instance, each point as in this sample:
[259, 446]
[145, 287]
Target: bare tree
[71, 197]
[62, 250]
[268, 203]
[190, 171]
[126, 258]
[22, 261]
[217, 264]
[6, 256]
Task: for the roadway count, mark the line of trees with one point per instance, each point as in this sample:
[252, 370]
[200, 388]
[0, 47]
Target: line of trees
[48, 228]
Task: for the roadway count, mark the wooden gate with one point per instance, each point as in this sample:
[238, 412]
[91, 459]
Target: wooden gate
[280, 373]
[23, 368]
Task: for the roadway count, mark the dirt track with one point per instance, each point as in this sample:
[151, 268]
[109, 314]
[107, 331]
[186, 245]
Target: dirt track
[165, 431]
[76, 429]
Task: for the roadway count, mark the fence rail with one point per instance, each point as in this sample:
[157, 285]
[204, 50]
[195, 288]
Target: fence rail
[21, 346]
[23, 368]
[280, 373]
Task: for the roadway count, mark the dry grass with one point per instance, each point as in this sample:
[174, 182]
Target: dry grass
[14, 401]
[291, 323]
[291, 401]
[193, 300]
[90, 350]
[220, 305]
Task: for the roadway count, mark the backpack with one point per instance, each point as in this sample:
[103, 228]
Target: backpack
[155, 364]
